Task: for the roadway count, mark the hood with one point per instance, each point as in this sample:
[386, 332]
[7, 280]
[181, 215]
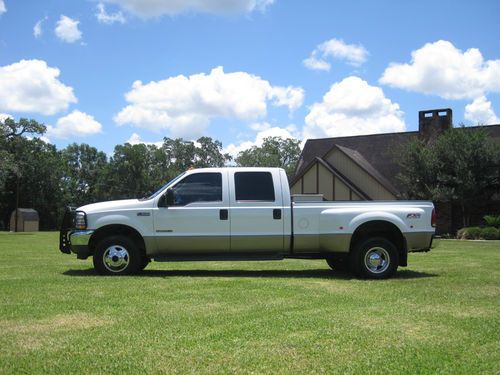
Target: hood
[111, 206]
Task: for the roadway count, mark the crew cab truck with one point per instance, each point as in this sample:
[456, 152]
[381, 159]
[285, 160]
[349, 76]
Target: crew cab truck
[246, 214]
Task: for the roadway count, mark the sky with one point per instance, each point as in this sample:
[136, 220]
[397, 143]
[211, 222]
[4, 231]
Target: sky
[114, 71]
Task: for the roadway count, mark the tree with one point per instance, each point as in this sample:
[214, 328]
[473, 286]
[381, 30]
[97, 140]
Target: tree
[203, 153]
[17, 155]
[460, 166]
[9, 130]
[274, 152]
[128, 173]
[209, 153]
[83, 169]
[36, 179]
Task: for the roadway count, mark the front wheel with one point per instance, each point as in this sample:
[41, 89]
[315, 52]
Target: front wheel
[374, 258]
[117, 255]
[338, 263]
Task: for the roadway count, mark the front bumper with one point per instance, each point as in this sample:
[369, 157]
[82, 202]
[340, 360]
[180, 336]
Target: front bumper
[73, 240]
[79, 243]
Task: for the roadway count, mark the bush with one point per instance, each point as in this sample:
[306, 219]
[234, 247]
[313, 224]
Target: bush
[476, 233]
[492, 220]
[461, 233]
[471, 233]
[489, 233]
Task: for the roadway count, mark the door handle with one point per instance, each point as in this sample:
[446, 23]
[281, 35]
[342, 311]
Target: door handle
[277, 214]
[223, 214]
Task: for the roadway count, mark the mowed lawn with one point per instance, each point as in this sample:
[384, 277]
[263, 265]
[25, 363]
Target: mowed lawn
[439, 315]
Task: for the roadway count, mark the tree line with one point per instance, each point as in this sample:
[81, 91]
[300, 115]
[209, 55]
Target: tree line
[35, 174]
[460, 166]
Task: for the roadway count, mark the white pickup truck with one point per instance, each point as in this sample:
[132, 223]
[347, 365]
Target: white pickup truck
[246, 214]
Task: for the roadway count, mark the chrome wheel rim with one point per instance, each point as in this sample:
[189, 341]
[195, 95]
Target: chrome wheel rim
[116, 258]
[377, 260]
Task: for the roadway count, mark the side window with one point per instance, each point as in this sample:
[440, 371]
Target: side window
[254, 186]
[199, 187]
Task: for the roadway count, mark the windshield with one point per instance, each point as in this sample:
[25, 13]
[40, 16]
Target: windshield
[163, 187]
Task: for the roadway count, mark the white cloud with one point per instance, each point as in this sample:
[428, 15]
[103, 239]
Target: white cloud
[291, 97]
[265, 130]
[157, 8]
[67, 29]
[37, 29]
[442, 69]
[135, 139]
[480, 112]
[353, 54]
[76, 124]
[109, 19]
[185, 105]
[353, 107]
[5, 116]
[3, 9]
[32, 86]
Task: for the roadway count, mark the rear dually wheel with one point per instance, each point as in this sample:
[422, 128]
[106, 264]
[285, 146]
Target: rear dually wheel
[374, 258]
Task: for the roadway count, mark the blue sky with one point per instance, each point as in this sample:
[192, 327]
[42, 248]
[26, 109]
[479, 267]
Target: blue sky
[107, 72]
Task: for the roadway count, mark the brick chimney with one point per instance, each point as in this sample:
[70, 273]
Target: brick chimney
[434, 122]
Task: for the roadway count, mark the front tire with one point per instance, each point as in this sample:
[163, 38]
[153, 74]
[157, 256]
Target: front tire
[374, 258]
[338, 263]
[117, 255]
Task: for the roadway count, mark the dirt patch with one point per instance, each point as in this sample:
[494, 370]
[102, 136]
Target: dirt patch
[57, 322]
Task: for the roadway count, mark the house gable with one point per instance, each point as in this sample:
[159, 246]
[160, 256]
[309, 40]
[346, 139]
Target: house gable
[323, 178]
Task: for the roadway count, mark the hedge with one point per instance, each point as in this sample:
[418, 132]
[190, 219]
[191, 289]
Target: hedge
[477, 233]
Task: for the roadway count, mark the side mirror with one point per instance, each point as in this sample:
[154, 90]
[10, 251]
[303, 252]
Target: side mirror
[170, 199]
[167, 199]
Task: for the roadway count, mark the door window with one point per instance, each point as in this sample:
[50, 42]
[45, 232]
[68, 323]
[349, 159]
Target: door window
[199, 187]
[254, 186]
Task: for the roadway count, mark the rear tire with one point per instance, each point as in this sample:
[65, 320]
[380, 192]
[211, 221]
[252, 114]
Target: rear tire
[117, 255]
[374, 258]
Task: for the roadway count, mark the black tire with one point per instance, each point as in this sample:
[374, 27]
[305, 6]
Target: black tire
[374, 258]
[117, 255]
[338, 263]
[144, 262]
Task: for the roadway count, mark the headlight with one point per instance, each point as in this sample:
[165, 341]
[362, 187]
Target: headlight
[80, 220]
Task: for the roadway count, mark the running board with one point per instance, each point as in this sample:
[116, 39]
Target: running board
[216, 257]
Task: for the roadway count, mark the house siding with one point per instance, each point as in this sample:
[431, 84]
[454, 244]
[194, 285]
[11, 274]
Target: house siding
[358, 176]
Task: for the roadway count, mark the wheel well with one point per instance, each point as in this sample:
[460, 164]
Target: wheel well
[384, 229]
[117, 229]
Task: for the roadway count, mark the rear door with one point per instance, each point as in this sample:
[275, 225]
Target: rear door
[256, 211]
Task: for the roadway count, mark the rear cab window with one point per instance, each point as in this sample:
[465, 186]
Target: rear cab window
[254, 187]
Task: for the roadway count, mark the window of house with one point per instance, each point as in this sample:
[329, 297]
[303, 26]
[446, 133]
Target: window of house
[199, 187]
[254, 186]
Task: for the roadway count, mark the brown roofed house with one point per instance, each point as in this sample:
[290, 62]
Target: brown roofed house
[364, 167]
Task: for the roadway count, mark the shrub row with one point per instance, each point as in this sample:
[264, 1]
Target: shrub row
[492, 220]
[478, 233]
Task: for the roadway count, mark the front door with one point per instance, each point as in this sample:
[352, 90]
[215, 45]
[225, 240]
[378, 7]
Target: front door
[198, 221]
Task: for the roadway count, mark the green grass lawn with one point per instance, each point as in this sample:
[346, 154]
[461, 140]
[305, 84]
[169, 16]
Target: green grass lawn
[439, 315]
